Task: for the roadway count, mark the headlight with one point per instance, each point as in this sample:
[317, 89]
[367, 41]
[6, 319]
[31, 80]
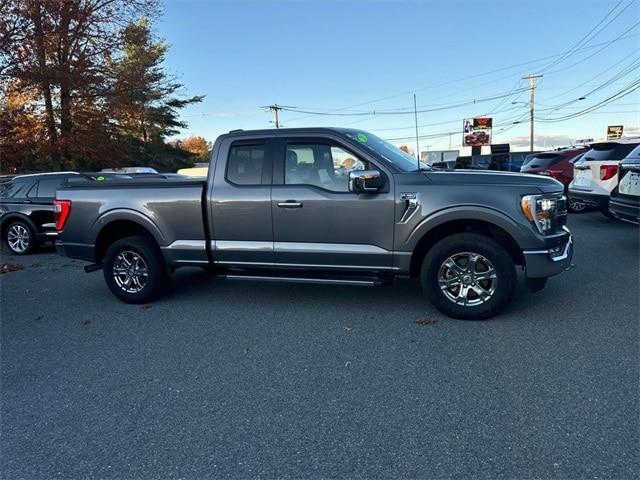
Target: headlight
[540, 211]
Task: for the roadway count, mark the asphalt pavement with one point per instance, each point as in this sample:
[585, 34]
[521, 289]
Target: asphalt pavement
[225, 379]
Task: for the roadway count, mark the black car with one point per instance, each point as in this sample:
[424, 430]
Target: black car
[624, 202]
[26, 210]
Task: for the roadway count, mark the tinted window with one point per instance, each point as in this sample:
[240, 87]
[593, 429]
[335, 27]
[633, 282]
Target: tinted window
[246, 164]
[633, 156]
[320, 165]
[544, 160]
[601, 152]
[14, 188]
[47, 187]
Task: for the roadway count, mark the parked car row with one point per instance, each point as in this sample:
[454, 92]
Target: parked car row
[557, 164]
[604, 175]
[598, 175]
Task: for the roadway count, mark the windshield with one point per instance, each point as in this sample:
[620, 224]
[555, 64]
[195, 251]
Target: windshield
[399, 159]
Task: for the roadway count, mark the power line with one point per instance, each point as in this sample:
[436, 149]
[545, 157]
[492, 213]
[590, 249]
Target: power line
[586, 36]
[632, 87]
[619, 37]
[470, 77]
[399, 111]
[608, 69]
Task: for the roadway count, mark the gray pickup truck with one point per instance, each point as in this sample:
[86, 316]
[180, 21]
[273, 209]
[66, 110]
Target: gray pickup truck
[323, 205]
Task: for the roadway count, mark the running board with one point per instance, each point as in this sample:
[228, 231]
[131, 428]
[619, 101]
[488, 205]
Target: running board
[363, 282]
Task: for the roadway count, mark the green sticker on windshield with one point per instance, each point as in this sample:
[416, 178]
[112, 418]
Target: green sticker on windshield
[100, 178]
[362, 138]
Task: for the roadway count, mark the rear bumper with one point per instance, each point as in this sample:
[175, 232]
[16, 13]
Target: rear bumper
[593, 199]
[81, 251]
[549, 261]
[625, 209]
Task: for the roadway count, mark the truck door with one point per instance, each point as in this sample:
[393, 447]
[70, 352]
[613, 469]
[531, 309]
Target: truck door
[317, 222]
[240, 227]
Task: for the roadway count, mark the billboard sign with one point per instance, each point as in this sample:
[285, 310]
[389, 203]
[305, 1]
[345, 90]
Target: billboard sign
[614, 131]
[476, 132]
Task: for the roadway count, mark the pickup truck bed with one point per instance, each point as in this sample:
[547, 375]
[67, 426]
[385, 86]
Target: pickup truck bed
[170, 209]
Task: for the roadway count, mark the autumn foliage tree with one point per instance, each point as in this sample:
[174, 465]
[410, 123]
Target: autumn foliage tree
[90, 75]
[196, 145]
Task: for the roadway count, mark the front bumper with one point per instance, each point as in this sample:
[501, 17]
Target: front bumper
[597, 200]
[554, 259]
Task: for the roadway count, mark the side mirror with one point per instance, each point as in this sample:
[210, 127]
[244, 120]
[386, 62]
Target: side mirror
[365, 181]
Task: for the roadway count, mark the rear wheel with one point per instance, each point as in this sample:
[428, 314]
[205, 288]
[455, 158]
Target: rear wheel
[134, 270]
[20, 238]
[468, 276]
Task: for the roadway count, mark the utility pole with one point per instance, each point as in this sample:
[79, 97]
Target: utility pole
[275, 108]
[532, 89]
[415, 113]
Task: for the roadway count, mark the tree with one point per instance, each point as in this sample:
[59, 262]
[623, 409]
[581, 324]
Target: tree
[143, 101]
[22, 132]
[95, 79]
[198, 146]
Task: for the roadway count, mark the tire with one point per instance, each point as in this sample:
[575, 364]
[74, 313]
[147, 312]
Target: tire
[125, 264]
[20, 238]
[607, 213]
[576, 206]
[486, 294]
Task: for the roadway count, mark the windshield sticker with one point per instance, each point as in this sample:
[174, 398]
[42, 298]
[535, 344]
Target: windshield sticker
[100, 178]
[362, 138]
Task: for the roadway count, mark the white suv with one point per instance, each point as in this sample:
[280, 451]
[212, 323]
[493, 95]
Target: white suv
[595, 175]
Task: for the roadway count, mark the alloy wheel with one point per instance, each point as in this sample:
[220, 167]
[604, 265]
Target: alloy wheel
[130, 271]
[18, 238]
[467, 279]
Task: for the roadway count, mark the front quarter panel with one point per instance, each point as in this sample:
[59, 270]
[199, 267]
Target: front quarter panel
[439, 203]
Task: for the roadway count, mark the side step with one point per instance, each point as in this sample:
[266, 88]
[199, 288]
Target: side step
[357, 281]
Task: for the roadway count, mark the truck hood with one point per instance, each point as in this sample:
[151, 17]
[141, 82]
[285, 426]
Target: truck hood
[491, 178]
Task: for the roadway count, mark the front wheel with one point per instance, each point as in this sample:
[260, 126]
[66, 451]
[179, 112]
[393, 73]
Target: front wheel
[468, 276]
[134, 270]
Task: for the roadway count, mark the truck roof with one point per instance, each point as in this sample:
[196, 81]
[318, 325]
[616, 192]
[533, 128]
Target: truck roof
[286, 131]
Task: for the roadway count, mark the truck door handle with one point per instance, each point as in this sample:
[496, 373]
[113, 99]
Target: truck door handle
[290, 204]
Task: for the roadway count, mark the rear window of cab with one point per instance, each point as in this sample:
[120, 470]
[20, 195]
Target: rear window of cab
[602, 152]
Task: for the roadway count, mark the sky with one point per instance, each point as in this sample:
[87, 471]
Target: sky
[460, 58]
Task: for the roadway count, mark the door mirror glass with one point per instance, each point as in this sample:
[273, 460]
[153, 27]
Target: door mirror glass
[365, 181]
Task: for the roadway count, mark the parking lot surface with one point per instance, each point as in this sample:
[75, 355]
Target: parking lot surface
[242, 379]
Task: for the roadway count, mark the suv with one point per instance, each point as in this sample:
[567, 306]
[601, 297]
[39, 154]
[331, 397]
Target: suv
[596, 173]
[26, 210]
[624, 203]
[557, 164]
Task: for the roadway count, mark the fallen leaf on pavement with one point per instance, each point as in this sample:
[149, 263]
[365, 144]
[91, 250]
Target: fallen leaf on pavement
[425, 321]
[10, 267]
[347, 328]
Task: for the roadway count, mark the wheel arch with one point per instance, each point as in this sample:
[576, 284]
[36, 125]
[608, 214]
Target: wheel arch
[452, 226]
[118, 229]
[8, 218]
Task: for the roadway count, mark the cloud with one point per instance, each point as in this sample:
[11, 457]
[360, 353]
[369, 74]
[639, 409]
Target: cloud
[542, 142]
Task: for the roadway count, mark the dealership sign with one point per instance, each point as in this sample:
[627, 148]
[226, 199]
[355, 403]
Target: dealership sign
[614, 131]
[476, 132]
